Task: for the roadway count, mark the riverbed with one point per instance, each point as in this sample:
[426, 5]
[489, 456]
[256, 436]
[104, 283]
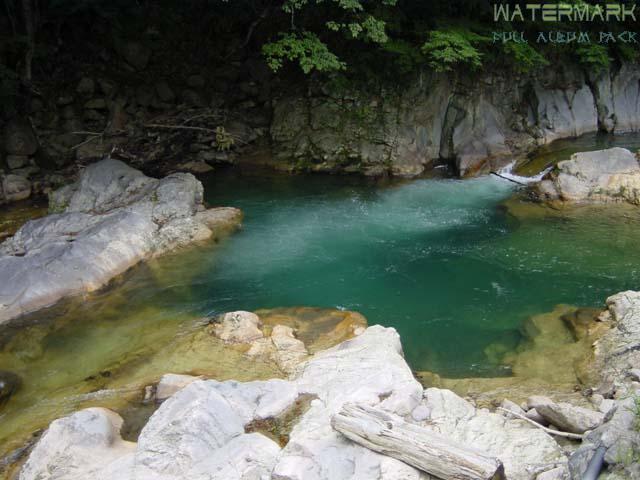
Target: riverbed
[454, 265]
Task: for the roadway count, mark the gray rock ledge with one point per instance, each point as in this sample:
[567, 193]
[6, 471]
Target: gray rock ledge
[111, 219]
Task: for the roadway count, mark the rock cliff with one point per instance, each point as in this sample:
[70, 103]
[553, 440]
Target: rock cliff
[472, 124]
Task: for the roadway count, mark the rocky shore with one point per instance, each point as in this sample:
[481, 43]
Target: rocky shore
[603, 176]
[235, 430]
[109, 220]
[286, 428]
[243, 116]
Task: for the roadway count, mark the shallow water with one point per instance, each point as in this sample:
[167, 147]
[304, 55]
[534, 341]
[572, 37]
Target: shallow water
[440, 260]
[444, 261]
[563, 149]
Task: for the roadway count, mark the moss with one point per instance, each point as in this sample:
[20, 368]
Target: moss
[279, 428]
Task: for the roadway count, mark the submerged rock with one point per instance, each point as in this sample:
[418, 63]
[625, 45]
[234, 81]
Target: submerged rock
[108, 221]
[611, 175]
[9, 384]
[238, 327]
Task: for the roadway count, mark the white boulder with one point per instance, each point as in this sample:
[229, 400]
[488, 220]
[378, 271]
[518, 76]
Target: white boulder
[86, 444]
[238, 327]
[108, 221]
[520, 446]
[611, 175]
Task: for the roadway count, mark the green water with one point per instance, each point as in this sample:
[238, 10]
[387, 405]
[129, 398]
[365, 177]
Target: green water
[444, 261]
[563, 149]
[437, 259]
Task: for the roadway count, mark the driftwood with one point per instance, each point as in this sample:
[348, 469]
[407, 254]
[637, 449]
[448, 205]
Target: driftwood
[507, 178]
[414, 445]
[550, 431]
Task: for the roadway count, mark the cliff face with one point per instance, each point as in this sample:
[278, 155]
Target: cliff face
[473, 123]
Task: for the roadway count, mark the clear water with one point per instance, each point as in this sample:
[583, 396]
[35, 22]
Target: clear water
[443, 261]
[563, 149]
[440, 260]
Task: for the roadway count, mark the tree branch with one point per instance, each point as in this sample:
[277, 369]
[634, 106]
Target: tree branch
[573, 436]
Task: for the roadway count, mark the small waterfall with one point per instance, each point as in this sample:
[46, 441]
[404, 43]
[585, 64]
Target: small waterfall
[506, 172]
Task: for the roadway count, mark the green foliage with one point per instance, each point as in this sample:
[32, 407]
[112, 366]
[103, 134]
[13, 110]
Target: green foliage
[447, 49]
[524, 57]
[627, 52]
[224, 140]
[306, 49]
[593, 56]
[636, 412]
[370, 29]
[406, 56]
[305, 46]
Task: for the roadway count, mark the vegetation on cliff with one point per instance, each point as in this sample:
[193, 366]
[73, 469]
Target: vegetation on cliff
[365, 36]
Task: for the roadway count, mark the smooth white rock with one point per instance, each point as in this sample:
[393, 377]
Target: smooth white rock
[369, 368]
[516, 443]
[238, 327]
[111, 219]
[86, 444]
[171, 383]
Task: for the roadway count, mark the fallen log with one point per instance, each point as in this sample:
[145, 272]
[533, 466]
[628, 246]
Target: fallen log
[419, 447]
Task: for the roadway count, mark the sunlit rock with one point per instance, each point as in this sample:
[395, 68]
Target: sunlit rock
[369, 368]
[171, 383]
[570, 418]
[108, 221]
[518, 445]
[86, 444]
[611, 175]
[238, 327]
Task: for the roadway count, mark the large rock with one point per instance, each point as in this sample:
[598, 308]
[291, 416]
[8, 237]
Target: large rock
[9, 384]
[570, 418]
[617, 353]
[611, 175]
[171, 383]
[16, 161]
[519, 446]
[15, 187]
[202, 431]
[475, 124]
[108, 221]
[238, 327]
[199, 433]
[135, 54]
[86, 444]
[19, 138]
[370, 369]
[619, 435]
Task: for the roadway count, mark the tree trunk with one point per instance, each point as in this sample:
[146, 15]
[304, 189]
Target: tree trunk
[414, 445]
[29, 17]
